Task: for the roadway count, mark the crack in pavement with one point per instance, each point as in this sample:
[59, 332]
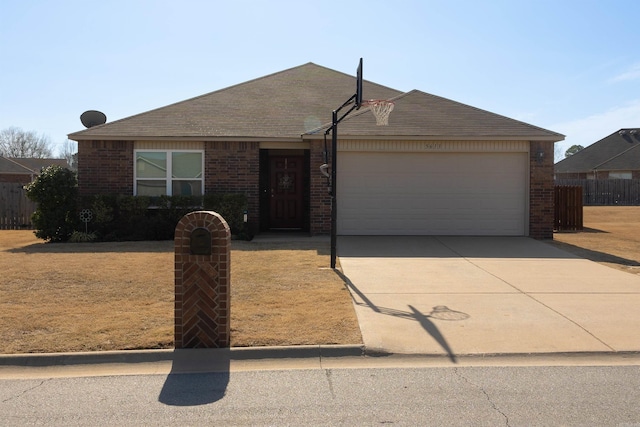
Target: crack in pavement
[486, 395]
[23, 392]
[330, 381]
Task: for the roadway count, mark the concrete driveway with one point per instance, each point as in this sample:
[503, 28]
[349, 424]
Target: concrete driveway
[486, 295]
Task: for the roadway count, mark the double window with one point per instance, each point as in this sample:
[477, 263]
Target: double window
[169, 172]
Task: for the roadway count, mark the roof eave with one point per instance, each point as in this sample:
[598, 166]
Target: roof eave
[318, 136]
[548, 138]
[182, 138]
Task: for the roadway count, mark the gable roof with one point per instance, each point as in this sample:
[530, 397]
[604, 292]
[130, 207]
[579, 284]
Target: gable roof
[27, 166]
[618, 151]
[281, 105]
[419, 115]
[297, 103]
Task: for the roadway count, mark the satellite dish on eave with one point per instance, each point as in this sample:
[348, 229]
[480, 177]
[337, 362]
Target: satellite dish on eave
[93, 118]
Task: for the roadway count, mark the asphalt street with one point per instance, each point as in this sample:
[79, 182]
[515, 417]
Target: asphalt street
[509, 396]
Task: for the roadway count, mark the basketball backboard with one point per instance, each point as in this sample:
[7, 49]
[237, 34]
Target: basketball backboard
[359, 85]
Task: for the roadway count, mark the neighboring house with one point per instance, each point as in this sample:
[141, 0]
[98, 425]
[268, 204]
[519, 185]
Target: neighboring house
[438, 168]
[23, 171]
[615, 157]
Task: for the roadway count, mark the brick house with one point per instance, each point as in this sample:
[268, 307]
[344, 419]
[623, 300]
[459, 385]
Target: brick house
[24, 170]
[615, 157]
[438, 168]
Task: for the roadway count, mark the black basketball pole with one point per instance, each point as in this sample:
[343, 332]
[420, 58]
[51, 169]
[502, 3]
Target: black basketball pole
[356, 100]
[334, 181]
[334, 169]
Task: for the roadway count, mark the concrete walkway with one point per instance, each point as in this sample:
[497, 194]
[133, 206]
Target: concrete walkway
[458, 296]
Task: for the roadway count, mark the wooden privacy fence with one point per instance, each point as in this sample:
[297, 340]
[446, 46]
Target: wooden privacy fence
[15, 208]
[568, 208]
[606, 192]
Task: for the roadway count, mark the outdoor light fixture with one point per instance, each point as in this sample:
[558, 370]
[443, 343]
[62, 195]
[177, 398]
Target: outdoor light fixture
[245, 216]
[540, 156]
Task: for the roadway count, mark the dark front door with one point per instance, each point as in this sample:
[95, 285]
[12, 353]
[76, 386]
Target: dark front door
[286, 187]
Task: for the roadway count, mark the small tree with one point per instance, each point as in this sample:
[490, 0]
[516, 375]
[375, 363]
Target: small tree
[56, 192]
[573, 150]
[69, 151]
[14, 142]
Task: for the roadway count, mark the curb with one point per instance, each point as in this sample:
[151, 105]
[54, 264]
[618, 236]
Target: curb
[179, 355]
[193, 360]
[631, 354]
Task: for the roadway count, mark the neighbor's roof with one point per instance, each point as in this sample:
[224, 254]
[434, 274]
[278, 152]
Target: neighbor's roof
[298, 102]
[618, 151]
[27, 166]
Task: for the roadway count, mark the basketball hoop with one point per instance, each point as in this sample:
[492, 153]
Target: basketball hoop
[381, 108]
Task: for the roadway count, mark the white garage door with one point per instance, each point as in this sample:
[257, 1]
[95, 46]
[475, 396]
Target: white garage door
[432, 193]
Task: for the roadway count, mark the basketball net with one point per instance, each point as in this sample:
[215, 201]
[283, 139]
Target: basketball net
[380, 108]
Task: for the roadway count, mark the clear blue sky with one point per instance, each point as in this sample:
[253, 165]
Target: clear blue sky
[570, 66]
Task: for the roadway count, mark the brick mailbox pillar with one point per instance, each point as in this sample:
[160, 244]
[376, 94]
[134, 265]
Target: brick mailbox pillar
[202, 281]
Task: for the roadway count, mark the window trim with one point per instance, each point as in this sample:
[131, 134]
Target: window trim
[169, 178]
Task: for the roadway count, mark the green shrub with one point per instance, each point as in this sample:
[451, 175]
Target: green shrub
[231, 207]
[55, 191]
[122, 217]
[103, 208]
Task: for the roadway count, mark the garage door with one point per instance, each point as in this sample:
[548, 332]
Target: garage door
[432, 193]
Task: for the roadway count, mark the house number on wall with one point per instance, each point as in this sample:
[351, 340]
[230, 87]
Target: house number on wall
[432, 146]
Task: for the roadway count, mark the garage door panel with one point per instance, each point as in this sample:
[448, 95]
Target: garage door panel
[432, 194]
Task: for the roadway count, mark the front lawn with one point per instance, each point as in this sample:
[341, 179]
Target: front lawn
[57, 297]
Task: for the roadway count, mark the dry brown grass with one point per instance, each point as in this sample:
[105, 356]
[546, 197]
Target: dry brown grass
[111, 296]
[611, 236]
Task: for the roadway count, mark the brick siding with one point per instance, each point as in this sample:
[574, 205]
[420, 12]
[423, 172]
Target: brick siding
[541, 191]
[105, 167]
[320, 200]
[233, 167]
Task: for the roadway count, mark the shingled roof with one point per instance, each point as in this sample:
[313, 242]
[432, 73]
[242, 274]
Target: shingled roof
[619, 151]
[419, 115]
[283, 105]
[295, 104]
[27, 166]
